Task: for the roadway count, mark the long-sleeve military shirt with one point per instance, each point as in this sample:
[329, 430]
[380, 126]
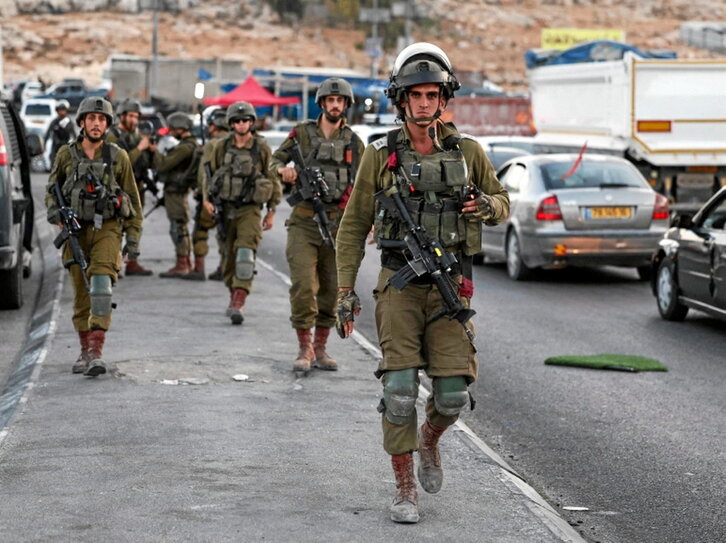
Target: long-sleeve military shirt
[63, 170]
[202, 181]
[178, 158]
[281, 157]
[128, 141]
[262, 166]
[373, 176]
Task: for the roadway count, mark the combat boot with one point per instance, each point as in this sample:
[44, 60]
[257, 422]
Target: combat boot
[239, 295]
[182, 267]
[96, 366]
[306, 354]
[430, 474]
[80, 365]
[134, 268]
[322, 359]
[197, 274]
[405, 505]
[216, 275]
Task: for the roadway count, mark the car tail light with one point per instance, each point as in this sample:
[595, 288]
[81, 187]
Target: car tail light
[660, 211]
[549, 210]
[3, 151]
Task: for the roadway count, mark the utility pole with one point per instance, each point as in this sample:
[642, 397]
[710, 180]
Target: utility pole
[154, 51]
[374, 36]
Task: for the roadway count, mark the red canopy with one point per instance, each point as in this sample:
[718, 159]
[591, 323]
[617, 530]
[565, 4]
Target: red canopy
[250, 91]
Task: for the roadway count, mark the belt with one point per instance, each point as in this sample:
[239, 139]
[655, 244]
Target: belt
[308, 212]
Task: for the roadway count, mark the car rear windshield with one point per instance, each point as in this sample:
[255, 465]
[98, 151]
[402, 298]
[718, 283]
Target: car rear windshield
[37, 109]
[560, 175]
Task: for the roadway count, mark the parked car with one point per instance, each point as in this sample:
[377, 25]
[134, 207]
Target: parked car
[72, 90]
[16, 205]
[689, 267]
[371, 132]
[274, 138]
[37, 114]
[571, 210]
[30, 90]
[499, 154]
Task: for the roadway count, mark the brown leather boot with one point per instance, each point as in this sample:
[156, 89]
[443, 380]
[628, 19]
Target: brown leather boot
[182, 267]
[322, 359]
[134, 268]
[96, 366]
[239, 296]
[405, 505]
[80, 365]
[197, 274]
[430, 474]
[216, 275]
[306, 354]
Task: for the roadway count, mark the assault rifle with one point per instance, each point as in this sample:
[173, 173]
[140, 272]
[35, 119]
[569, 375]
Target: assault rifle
[216, 202]
[70, 229]
[311, 187]
[427, 257]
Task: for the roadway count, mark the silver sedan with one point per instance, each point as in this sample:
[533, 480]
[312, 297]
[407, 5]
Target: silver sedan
[568, 209]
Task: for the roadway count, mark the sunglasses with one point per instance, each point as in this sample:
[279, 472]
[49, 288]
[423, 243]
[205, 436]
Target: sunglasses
[241, 120]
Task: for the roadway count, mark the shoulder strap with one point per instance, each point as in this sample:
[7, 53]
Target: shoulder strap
[392, 155]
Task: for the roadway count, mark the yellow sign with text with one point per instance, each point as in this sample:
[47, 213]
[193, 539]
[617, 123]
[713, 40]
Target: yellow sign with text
[564, 38]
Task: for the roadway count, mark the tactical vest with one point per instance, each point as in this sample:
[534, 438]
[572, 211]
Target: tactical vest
[433, 188]
[92, 191]
[334, 157]
[128, 141]
[237, 179]
[182, 179]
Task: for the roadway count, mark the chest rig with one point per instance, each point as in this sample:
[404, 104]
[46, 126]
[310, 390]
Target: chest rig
[334, 157]
[234, 179]
[92, 190]
[433, 188]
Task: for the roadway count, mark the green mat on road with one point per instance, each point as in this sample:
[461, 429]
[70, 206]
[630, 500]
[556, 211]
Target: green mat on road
[621, 362]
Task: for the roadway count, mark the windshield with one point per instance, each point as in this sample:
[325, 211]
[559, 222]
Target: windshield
[590, 175]
[37, 109]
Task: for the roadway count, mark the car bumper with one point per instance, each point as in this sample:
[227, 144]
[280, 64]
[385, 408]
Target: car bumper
[8, 258]
[553, 249]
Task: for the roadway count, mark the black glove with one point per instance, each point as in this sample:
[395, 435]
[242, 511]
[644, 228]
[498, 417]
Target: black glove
[348, 306]
[484, 211]
[131, 249]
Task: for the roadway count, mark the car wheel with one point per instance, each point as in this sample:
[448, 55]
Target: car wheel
[478, 259]
[516, 268]
[666, 287]
[644, 272]
[11, 284]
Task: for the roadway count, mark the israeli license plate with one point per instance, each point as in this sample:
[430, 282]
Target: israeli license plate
[608, 212]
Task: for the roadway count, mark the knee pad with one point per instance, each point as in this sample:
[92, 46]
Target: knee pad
[400, 390]
[100, 294]
[244, 266]
[451, 394]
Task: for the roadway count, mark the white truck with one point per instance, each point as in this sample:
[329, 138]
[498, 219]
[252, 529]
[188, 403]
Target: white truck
[666, 116]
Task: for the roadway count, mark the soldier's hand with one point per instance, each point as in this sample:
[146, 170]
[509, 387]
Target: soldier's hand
[131, 249]
[268, 219]
[479, 209]
[209, 207]
[289, 175]
[348, 309]
[144, 144]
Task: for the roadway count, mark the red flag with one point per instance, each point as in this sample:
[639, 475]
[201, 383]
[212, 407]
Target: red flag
[576, 164]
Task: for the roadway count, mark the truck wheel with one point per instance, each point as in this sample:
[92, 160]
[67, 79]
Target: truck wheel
[11, 283]
[516, 268]
[666, 287]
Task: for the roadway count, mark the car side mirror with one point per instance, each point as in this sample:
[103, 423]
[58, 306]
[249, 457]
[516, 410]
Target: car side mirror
[34, 144]
[684, 220]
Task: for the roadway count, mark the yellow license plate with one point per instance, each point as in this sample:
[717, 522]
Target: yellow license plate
[610, 212]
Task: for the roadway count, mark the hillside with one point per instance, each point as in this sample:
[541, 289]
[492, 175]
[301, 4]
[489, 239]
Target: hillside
[487, 36]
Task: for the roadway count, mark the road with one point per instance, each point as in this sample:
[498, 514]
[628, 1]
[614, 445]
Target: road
[642, 451]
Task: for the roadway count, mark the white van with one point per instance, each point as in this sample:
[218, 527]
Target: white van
[37, 114]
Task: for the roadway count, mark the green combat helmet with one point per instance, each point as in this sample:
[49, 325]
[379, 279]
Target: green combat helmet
[94, 104]
[335, 86]
[218, 118]
[239, 110]
[129, 105]
[417, 64]
[179, 119]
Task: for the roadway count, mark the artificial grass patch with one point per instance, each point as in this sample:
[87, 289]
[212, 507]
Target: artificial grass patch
[621, 362]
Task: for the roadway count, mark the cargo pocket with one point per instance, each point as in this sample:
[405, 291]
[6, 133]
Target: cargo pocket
[263, 190]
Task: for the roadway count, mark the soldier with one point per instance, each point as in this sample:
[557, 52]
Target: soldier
[448, 186]
[97, 182]
[329, 144]
[127, 136]
[178, 172]
[61, 129]
[203, 219]
[239, 163]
